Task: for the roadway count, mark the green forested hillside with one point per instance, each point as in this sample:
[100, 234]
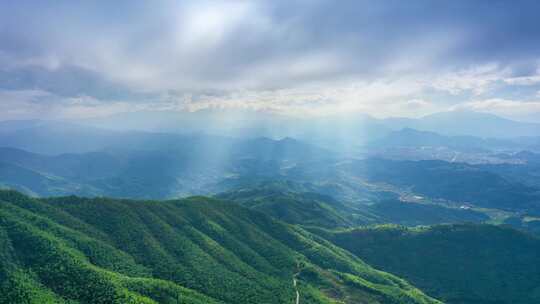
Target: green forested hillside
[197, 250]
[459, 264]
[289, 202]
[456, 182]
[304, 208]
[413, 214]
[35, 183]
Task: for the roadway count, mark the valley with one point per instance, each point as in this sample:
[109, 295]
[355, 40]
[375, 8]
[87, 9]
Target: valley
[147, 217]
[270, 152]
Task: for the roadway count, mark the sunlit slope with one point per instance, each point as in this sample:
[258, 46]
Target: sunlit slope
[295, 203]
[198, 250]
[456, 263]
[305, 208]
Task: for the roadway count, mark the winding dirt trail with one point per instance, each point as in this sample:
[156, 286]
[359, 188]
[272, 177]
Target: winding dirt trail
[296, 289]
[295, 283]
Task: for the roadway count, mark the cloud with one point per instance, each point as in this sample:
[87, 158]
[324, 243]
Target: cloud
[315, 56]
[417, 104]
[524, 80]
[407, 96]
[477, 79]
[31, 104]
[23, 104]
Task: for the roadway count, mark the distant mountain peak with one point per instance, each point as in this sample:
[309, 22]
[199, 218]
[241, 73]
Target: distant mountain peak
[465, 122]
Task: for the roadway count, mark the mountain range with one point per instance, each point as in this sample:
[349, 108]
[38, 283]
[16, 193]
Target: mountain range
[405, 214]
[257, 123]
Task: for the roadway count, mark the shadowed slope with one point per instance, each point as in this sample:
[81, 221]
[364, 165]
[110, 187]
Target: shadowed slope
[456, 263]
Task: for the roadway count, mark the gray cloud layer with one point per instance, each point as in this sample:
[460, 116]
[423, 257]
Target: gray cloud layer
[281, 55]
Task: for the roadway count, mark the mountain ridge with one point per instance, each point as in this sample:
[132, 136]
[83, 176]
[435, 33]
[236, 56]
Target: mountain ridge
[126, 251]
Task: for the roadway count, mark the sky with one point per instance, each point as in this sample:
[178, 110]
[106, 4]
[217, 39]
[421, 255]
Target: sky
[77, 60]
